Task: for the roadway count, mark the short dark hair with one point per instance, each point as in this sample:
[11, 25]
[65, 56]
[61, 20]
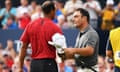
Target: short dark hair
[48, 6]
[84, 13]
[34, 1]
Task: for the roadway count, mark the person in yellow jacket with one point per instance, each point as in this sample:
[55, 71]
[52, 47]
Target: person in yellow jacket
[108, 16]
[113, 47]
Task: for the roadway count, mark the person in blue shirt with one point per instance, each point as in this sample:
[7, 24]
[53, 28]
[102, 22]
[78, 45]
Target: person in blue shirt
[11, 24]
[58, 12]
[7, 12]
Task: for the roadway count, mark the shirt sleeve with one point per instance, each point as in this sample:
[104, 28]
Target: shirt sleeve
[93, 39]
[98, 7]
[2, 12]
[14, 11]
[25, 36]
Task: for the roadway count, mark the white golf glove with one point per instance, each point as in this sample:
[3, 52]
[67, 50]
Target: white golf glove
[59, 42]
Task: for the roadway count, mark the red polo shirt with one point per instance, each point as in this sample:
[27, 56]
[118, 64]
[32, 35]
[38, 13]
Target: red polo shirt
[38, 33]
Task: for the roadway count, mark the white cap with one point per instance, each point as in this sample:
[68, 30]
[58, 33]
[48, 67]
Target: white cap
[5, 53]
[110, 2]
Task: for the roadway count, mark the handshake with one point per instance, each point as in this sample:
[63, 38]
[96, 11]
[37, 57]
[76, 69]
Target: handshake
[59, 42]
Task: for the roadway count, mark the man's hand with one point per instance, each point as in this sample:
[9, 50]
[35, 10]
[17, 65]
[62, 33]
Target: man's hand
[59, 48]
[69, 52]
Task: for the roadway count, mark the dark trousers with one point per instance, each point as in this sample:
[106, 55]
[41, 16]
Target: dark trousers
[44, 65]
[117, 69]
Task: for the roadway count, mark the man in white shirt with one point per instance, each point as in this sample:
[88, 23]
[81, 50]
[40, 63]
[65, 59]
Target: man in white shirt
[24, 8]
[93, 7]
[23, 11]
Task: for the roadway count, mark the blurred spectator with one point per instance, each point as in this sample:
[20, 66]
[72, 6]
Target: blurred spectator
[69, 63]
[70, 7]
[29, 50]
[94, 8]
[7, 12]
[61, 22]
[10, 49]
[11, 24]
[101, 64]
[117, 18]
[60, 6]
[1, 64]
[0, 19]
[58, 13]
[7, 59]
[27, 62]
[23, 14]
[32, 6]
[109, 65]
[15, 66]
[108, 16]
[5, 68]
[1, 50]
[38, 13]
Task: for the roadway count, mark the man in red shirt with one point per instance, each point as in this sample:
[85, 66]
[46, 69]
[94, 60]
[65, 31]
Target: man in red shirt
[38, 33]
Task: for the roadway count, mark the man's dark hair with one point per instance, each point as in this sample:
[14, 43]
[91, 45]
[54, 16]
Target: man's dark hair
[48, 6]
[84, 13]
[34, 1]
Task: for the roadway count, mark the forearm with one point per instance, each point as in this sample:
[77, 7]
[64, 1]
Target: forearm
[1, 17]
[82, 51]
[98, 11]
[109, 53]
[22, 56]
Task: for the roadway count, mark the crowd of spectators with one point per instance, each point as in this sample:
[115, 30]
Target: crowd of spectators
[11, 17]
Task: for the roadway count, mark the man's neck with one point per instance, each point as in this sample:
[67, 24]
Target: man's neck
[47, 16]
[24, 5]
[74, 1]
[83, 27]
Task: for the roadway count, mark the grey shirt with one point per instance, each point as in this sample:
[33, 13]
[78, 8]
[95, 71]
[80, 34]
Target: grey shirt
[89, 38]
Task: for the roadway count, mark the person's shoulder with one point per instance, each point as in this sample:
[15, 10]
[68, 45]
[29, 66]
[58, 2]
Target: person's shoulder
[79, 1]
[48, 21]
[115, 30]
[36, 21]
[3, 9]
[19, 7]
[92, 32]
[54, 26]
[13, 8]
[68, 2]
